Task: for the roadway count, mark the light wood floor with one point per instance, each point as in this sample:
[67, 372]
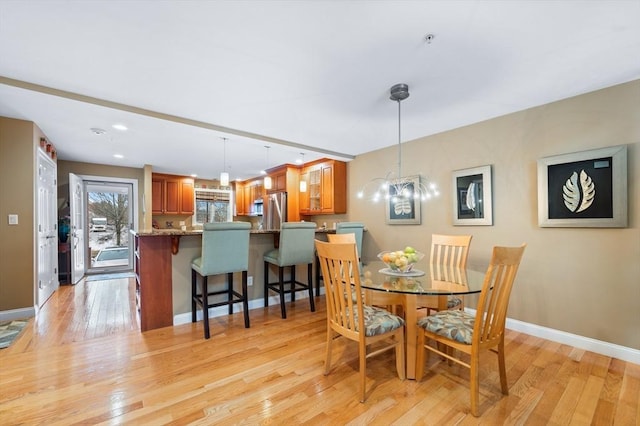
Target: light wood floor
[83, 361]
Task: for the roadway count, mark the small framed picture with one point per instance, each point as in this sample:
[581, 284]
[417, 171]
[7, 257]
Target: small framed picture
[401, 209]
[472, 196]
[584, 189]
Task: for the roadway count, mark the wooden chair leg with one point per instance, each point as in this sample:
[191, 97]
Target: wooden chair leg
[194, 293]
[245, 300]
[230, 291]
[310, 281]
[205, 307]
[502, 367]
[327, 358]
[363, 371]
[400, 356]
[283, 308]
[266, 284]
[293, 283]
[420, 358]
[474, 384]
[318, 276]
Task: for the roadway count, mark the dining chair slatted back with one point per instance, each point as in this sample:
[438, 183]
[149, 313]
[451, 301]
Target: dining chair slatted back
[471, 334]
[448, 251]
[343, 228]
[349, 317]
[449, 254]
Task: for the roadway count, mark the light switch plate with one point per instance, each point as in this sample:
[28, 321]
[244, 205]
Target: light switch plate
[13, 219]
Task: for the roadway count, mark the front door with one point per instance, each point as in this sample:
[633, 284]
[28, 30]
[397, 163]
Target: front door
[77, 232]
[47, 229]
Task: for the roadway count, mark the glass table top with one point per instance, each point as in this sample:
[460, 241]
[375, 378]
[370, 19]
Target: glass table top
[438, 280]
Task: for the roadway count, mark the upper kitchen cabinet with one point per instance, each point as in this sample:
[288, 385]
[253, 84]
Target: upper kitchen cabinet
[248, 194]
[172, 194]
[326, 188]
[287, 178]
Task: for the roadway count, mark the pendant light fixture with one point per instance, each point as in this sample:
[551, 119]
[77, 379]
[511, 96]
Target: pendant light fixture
[303, 183]
[224, 176]
[267, 179]
[398, 187]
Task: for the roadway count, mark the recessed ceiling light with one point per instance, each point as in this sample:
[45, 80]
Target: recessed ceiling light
[97, 131]
[120, 127]
[118, 155]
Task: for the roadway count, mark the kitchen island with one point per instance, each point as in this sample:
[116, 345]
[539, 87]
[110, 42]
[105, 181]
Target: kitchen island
[162, 261]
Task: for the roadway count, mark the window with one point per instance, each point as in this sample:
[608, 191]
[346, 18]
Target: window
[213, 205]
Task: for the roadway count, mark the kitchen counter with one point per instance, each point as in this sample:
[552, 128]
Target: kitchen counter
[175, 234]
[179, 232]
[163, 274]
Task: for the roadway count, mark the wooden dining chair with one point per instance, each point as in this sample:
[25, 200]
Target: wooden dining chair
[448, 256]
[471, 334]
[349, 317]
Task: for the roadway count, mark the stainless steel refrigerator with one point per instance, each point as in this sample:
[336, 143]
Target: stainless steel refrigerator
[275, 211]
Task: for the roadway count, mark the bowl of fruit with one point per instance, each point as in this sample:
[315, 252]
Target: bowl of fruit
[401, 261]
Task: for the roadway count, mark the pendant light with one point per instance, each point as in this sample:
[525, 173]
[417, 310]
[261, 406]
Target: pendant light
[395, 186]
[267, 179]
[224, 176]
[303, 183]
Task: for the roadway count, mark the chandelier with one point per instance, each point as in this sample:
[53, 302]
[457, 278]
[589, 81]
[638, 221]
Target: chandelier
[396, 187]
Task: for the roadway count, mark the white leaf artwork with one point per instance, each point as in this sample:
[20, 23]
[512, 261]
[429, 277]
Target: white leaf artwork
[402, 207]
[471, 196]
[579, 195]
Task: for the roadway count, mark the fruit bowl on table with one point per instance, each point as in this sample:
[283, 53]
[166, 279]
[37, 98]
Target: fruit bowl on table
[401, 261]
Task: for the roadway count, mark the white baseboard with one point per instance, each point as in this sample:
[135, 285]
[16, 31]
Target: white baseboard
[598, 346]
[17, 314]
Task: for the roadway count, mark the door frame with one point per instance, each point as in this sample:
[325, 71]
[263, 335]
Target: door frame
[134, 207]
[49, 235]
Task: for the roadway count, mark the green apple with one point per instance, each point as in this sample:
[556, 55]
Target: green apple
[409, 250]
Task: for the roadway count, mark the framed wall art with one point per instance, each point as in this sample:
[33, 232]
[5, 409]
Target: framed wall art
[403, 210]
[472, 196]
[584, 189]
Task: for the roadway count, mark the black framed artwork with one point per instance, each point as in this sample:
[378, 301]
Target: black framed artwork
[472, 196]
[583, 189]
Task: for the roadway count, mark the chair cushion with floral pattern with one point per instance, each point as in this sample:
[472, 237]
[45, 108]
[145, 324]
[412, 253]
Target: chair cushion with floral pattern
[455, 325]
[379, 321]
[452, 302]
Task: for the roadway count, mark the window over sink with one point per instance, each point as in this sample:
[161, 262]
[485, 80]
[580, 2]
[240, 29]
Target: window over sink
[213, 205]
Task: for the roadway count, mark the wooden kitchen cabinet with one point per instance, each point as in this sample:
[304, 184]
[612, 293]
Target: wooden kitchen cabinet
[171, 194]
[287, 178]
[154, 291]
[247, 193]
[326, 188]
[240, 203]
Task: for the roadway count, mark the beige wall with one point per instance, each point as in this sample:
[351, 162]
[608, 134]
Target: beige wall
[18, 141]
[580, 280]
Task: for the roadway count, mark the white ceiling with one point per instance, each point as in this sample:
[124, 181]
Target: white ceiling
[307, 77]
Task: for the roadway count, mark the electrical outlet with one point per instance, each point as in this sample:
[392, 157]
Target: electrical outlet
[249, 281]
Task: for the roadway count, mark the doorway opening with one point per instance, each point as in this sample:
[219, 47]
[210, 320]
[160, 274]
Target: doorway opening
[109, 218]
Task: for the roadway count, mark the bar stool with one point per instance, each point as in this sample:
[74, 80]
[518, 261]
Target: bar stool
[296, 247]
[356, 228]
[225, 250]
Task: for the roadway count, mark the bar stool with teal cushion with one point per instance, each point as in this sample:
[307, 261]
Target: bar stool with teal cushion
[225, 250]
[356, 228]
[296, 247]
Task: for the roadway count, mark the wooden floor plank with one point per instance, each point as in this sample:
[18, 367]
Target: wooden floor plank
[83, 360]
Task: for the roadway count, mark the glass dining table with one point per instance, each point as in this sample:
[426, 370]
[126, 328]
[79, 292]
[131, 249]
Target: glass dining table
[426, 286]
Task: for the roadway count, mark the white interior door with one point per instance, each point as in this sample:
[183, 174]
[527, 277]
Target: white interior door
[77, 225]
[47, 229]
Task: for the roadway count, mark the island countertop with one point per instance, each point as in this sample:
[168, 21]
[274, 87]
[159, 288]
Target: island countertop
[179, 232]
